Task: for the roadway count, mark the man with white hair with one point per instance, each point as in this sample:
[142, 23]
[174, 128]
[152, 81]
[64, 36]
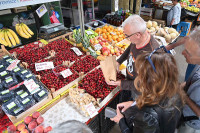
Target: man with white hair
[191, 111]
[135, 30]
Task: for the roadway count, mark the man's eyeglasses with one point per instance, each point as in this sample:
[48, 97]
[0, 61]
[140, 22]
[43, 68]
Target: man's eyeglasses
[149, 57]
[127, 36]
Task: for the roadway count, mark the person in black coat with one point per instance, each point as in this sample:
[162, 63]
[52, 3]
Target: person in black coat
[157, 108]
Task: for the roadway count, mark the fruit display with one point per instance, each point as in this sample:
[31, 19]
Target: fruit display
[31, 124]
[23, 30]
[85, 64]
[8, 37]
[94, 83]
[17, 99]
[80, 98]
[193, 9]
[184, 3]
[90, 33]
[106, 49]
[110, 33]
[168, 33]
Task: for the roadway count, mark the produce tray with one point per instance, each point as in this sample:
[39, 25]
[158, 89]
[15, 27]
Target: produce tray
[101, 24]
[16, 119]
[94, 124]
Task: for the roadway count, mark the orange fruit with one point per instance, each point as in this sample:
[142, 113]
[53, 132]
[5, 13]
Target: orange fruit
[104, 31]
[104, 36]
[110, 39]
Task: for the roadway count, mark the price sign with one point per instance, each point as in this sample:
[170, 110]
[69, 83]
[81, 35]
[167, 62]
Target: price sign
[89, 32]
[91, 110]
[43, 66]
[31, 86]
[77, 51]
[113, 33]
[97, 47]
[66, 73]
[13, 65]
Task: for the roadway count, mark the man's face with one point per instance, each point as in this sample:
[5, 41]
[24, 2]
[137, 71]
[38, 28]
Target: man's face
[191, 51]
[133, 36]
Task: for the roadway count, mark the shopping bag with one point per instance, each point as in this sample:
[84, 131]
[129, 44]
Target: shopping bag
[109, 68]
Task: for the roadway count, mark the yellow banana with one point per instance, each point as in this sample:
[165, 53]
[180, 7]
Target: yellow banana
[7, 39]
[2, 39]
[21, 33]
[27, 29]
[24, 30]
[12, 40]
[14, 36]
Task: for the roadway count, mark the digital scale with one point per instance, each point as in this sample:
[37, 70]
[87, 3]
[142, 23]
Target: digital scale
[52, 30]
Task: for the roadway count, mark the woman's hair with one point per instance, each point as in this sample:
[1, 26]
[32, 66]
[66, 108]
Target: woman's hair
[158, 86]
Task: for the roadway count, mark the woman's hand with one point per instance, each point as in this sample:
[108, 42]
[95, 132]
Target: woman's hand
[118, 117]
[124, 106]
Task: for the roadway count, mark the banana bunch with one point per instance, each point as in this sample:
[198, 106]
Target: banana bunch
[8, 37]
[23, 30]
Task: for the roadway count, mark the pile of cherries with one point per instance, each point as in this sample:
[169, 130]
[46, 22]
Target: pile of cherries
[85, 64]
[94, 83]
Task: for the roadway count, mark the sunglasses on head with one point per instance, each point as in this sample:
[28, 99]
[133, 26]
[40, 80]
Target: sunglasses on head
[149, 57]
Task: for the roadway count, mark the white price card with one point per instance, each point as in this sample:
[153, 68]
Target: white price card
[91, 110]
[97, 47]
[43, 66]
[31, 86]
[66, 73]
[77, 51]
[41, 10]
[89, 32]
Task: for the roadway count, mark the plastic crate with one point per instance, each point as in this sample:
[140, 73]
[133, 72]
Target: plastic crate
[184, 28]
[124, 96]
[105, 123]
[94, 124]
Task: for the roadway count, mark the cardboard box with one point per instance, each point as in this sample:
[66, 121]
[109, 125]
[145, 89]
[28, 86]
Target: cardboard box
[19, 9]
[162, 22]
[7, 11]
[146, 18]
[146, 11]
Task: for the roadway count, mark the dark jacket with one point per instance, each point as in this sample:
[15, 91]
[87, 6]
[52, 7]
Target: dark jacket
[151, 119]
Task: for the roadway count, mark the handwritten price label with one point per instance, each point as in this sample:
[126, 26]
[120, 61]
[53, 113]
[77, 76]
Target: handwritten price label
[43, 66]
[31, 86]
[89, 32]
[91, 110]
[13, 65]
[97, 47]
[77, 51]
[66, 73]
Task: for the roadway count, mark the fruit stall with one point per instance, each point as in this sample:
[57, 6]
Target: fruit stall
[53, 74]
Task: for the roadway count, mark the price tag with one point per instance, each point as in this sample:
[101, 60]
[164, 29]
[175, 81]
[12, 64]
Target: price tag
[11, 105]
[43, 66]
[91, 110]
[97, 47]
[96, 24]
[89, 32]
[113, 33]
[41, 93]
[66, 73]
[13, 65]
[31, 85]
[26, 101]
[17, 110]
[77, 51]
[6, 56]
[3, 73]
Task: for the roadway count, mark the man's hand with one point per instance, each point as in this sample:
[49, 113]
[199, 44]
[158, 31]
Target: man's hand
[124, 105]
[117, 117]
[114, 83]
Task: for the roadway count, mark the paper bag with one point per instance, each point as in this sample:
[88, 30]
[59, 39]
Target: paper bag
[109, 68]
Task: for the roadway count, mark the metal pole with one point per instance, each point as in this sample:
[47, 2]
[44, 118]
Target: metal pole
[81, 17]
[93, 15]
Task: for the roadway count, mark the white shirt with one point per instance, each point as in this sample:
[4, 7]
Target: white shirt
[174, 13]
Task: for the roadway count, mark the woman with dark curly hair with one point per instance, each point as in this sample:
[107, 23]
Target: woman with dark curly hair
[158, 107]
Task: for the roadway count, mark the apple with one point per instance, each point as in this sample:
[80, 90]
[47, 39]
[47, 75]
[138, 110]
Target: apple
[116, 50]
[91, 41]
[112, 51]
[105, 53]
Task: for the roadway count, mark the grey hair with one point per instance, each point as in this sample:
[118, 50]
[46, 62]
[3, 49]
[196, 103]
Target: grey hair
[195, 35]
[137, 24]
[72, 126]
